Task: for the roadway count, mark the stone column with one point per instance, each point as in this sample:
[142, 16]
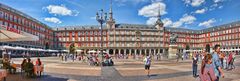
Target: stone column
[130, 51]
[159, 51]
[125, 51]
[119, 51]
[150, 50]
[85, 51]
[145, 51]
[114, 54]
[154, 52]
[135, 53]
[140, 51]
[107, 50]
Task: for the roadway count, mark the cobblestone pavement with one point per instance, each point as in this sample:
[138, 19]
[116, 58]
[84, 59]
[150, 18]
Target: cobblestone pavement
[124, 70]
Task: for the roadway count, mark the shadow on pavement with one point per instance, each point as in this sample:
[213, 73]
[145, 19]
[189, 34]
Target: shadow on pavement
[19, 77]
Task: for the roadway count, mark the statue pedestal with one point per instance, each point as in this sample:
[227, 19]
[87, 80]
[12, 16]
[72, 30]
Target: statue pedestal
[172, 52]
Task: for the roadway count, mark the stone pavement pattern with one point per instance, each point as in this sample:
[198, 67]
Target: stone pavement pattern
[124, 70]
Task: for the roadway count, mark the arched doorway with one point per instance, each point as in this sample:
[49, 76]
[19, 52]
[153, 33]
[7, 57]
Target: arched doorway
[122, 51]
[116, 51]
[127, 51]
[111, 51]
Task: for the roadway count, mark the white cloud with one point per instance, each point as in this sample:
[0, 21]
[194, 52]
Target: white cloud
[177, 24]
[151, 20]
[201, 11]
[217, 4]
[124, 2]
[207, 23]
[53, 20]
[220, 7]
[217, 1]
[167, 22]
[187, 19]
[153, 9]
[156, 0]
[61, 10]
[194, 3]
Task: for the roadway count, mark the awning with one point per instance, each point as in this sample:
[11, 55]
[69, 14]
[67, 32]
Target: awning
[92, 51]
[11, 34]
[6, 47]
[79, 50]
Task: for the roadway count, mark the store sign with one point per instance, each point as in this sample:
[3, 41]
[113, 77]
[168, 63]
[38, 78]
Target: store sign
[13, 30]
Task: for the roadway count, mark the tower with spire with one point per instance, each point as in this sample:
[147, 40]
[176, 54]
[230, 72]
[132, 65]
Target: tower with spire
[159, 23]
[111, 21]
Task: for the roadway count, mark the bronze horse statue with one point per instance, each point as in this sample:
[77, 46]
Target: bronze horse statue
[173, 39]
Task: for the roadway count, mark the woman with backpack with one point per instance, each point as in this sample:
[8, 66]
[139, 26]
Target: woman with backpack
[207, 69]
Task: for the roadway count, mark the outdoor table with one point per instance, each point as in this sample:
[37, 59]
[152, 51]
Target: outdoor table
[16, 66]
[3, 74]
[38, 68]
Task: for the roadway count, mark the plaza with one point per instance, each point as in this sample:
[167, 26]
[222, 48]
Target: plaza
[109, 50]
[124, 70]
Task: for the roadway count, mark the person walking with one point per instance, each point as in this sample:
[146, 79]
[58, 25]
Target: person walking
[216, 62]
[230, 63]
[194, 64]
[207, 69]
[147, 62]
[178, 56]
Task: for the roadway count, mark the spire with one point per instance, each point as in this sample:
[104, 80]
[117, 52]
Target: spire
[111, 21]
[110, 12]
[159, 13]
[159, 21]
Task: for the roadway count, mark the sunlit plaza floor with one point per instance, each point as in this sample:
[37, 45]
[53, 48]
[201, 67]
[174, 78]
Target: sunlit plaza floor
[124, 70]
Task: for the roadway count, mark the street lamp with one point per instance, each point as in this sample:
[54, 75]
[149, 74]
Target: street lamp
[101, 19]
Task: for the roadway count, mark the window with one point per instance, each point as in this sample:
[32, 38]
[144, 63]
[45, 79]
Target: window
[79, 39]
[67, 33]
[96, 39]
[1, 22]
[86, 38]
[67, 39]
[11, 18]
[64, 39]
[15, 18]
[79, 33]
[6, 16]
[95, 32]
[91, 32]
[91, 38]
[82, 38]
[73, 33]
[59, 39]
[1, 14]
[19, 21]
[73, 39]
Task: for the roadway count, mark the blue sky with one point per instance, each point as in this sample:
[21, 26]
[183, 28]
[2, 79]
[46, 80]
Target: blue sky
[193, 14]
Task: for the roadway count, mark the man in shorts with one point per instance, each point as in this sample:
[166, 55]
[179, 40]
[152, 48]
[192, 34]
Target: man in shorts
[147, 62]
